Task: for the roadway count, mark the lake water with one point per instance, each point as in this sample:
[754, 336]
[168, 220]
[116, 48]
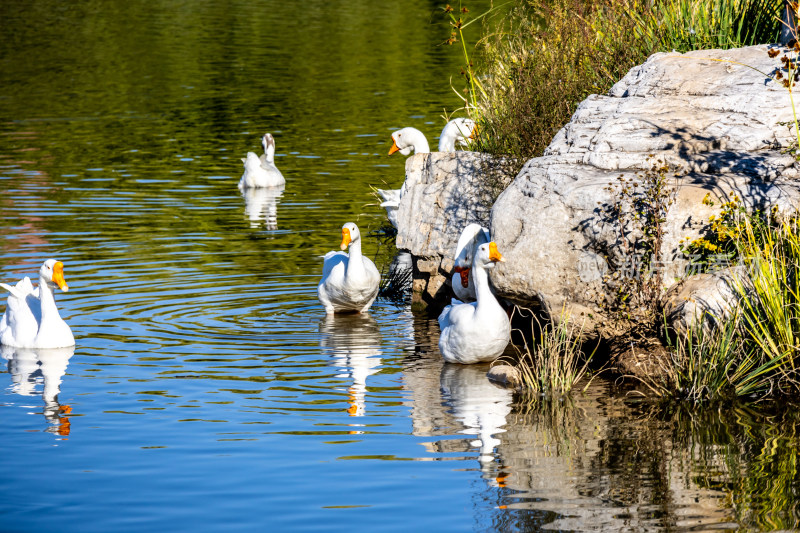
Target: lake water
[207, 390]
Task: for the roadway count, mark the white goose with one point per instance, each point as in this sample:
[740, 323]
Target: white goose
[471, 237]
[408, 140]
[31, 319]
[405, 141]
[261, 171]
[459, 130]
[479, 331]
[349, 281]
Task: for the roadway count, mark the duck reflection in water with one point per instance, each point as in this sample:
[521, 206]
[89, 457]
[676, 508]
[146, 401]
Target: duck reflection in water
[477, 403]
[353, 342]
[30, 366]
[261, 206]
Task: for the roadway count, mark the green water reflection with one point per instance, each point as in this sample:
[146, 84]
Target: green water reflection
[207, 386]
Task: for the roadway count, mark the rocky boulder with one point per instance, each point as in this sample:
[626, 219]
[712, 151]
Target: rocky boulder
[717, 125]
[445, 191]
[704, 299]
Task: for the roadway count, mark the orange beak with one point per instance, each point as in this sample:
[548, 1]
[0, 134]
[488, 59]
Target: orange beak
[394, 147]
[346, 239]
[494, 255]
[58, 276]
[474, 133]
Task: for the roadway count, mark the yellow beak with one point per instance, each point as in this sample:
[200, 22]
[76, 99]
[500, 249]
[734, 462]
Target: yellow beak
[494, 255]
[346, 239]
[58, 276]
[394, 147]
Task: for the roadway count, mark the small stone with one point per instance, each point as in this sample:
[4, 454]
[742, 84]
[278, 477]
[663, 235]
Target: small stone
[505, 375]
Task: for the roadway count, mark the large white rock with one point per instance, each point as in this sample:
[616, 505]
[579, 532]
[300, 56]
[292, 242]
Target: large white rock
[718, 120]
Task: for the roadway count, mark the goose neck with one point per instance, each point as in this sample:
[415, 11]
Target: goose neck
[47, 299]
[355, 265]
[483, 294]
[447, 143]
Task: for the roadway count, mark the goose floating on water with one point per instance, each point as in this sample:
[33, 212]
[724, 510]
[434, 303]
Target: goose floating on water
[31, 319]
[349, 281]
[479, 331]
[261, 171]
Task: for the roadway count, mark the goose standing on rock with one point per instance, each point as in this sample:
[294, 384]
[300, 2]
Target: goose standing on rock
[476, 332]
[349, 281]
[261, 171]
[471, 237]
[31, 319]
[405, 141]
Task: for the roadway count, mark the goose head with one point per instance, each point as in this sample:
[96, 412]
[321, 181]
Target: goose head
[52, 272]
[459, 130]
[268, 142]
[487, 255]
[350, 234]
[407, 140]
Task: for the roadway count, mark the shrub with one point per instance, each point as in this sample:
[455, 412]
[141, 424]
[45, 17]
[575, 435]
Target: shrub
[544, 58]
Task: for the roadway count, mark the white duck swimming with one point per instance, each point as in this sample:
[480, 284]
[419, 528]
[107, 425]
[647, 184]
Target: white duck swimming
[459, 130]
[349, 281]
[405, 141]
[471, 237]
[261, 171]
[31, 319]
[479, 331]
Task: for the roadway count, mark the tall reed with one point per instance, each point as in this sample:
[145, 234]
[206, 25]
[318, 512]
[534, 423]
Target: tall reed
[771, 299]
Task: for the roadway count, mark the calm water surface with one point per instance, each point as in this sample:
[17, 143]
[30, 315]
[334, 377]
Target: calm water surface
[207, 389]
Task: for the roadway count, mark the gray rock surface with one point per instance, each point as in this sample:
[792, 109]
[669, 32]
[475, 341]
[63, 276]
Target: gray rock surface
[704, 299]
[718, 121]
[445, 191]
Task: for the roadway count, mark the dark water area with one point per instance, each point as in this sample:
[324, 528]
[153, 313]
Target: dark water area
[207, 389]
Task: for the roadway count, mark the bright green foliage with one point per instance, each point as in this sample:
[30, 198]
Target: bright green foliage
[753, 351]
[544, 58]
[771, 306]
[685, 25]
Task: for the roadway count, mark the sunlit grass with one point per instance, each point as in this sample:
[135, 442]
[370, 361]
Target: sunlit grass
[554, 362]
[544, 58]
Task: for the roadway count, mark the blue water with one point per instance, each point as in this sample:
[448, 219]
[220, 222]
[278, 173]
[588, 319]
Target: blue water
[207, 389]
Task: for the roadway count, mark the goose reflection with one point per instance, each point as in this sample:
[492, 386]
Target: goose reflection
[353, 343]
[477, 403]
[31, 366]
[261, 206]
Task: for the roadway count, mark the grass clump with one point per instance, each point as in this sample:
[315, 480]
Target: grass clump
[751, 352]
[772, 302]
[555, 363]
[715, 364]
